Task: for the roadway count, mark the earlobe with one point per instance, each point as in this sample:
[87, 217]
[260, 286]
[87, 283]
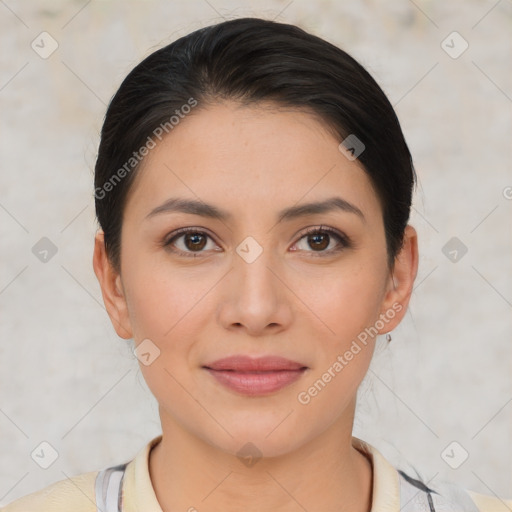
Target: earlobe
[111, 289]
[401, 281]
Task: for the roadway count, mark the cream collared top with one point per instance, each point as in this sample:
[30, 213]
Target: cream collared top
[78, 494]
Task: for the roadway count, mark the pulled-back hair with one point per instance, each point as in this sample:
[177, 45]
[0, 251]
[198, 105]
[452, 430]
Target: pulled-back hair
[252, 60]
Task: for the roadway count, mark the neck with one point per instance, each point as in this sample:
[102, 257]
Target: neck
[327, 474]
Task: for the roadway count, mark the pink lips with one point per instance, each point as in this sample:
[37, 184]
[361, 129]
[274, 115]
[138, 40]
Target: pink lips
[253, 377]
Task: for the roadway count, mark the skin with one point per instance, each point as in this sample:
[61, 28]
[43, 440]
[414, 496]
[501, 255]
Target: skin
[291, 301]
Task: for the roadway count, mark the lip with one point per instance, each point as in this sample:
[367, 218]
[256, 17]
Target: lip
[255, 376]
[242, 363]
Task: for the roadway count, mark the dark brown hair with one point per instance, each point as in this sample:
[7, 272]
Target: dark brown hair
[252, 60]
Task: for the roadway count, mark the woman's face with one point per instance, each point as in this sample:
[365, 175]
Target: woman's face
[253, 282]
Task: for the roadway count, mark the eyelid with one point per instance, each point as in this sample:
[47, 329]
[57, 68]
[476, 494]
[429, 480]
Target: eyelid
[321, 228]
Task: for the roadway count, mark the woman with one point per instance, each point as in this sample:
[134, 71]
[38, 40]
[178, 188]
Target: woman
[253, 188]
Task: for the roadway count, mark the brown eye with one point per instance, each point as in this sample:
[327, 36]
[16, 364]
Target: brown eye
[188, 242]
[194, 241]
[319, 240]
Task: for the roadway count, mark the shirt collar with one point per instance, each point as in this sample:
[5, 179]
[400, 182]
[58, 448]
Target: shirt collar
[138, 492]
[386, 483]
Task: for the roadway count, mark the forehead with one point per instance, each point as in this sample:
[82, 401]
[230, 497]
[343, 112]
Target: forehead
[253, 159]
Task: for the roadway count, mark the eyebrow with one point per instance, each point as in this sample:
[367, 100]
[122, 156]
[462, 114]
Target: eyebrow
[195, 207]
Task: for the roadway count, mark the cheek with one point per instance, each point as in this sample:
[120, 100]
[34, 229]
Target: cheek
[160, 298]
[168, 310]
[173, 309]
[347, 301]
[348, 308]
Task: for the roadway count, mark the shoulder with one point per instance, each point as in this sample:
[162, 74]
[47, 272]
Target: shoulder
[102, 489]
[486, 503]
[397, 490]
[445, 496]
[75, 493]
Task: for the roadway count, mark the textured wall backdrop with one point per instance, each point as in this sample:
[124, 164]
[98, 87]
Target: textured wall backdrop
[67, 379]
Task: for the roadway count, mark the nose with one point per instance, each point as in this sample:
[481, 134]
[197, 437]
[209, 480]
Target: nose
[255, 297]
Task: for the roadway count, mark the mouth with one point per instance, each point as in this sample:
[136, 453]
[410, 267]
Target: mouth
[255, 376]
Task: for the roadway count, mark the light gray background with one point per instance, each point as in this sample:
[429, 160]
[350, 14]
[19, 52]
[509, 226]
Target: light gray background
[67, 379]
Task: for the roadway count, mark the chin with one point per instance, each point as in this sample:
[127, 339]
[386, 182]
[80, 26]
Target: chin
[259, 438]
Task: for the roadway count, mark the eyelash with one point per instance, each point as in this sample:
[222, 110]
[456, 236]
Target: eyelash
[343, 240]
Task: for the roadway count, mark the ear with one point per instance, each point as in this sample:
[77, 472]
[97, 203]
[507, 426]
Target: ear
[401, 281]
[111, 288]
